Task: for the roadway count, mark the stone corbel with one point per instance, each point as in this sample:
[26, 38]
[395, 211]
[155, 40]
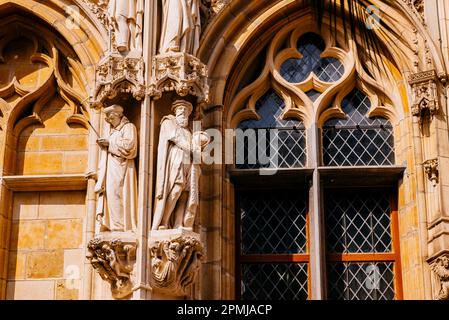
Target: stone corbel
[117, 74]
[113, 257]
[440, 268]
[175, 260]
[425, 95]
[432, 170]
[181, 73]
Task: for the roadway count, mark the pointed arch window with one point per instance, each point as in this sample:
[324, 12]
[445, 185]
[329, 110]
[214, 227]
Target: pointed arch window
[340, 186]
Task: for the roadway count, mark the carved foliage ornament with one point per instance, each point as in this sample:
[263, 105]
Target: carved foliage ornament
[114, 260]
[100, 10]
[117, 75]
[424, 93]
[174, 264]
[440, 267]
[181, 73]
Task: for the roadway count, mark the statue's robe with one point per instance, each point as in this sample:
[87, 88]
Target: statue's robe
[117, 179]
[181, 26]
[132, 11]
[174, 167]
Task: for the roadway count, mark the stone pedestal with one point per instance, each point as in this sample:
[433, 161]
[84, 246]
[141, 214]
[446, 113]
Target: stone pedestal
[113, 256]
[175, 260]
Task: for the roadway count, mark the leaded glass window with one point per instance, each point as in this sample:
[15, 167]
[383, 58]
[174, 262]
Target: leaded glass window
[311, 46]
[275, 281]
[283, 142]
[273, 234]
[358, 140]
[357, 239]
[361, 254]
[361, 281]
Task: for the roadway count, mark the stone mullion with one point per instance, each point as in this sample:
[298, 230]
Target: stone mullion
[316, 240]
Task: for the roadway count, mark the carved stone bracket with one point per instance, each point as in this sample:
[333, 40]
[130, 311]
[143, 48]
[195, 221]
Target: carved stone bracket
[117, 74]
[175, 261]
[431, 168]
[425, 94]
[440, 267]
[113, 256]
[179, 72]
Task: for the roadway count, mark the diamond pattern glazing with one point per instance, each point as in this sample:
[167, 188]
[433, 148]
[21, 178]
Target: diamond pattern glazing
[286, 281]
[361, 281]
[283, 142]
[359, 222]
[272, 222]
[358, 140]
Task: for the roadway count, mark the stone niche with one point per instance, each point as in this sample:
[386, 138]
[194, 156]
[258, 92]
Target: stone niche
[176, 256]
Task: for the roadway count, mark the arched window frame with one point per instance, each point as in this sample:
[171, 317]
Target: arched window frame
[314, 114]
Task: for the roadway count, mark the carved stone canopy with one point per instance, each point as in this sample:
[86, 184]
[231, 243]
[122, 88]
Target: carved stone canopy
[181, 73]
[116, 75]
[424, 93]
[175, 261]
[113, 256]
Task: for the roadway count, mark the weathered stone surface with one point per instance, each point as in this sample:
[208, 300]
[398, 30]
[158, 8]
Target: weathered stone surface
[62, 205]
[26, 205]
[28, 235]
[64, 234]
[67, 290]
[30, 290]
[45, 264]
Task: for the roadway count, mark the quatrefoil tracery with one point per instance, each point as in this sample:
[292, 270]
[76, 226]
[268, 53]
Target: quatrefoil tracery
[311, 47]
[312, 76]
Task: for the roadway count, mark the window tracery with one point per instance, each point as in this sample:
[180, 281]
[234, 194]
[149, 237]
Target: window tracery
[312, 86]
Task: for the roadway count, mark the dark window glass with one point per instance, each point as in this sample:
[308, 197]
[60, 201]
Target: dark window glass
[358, 140]
[359, 222]
[272, 223]
[311, 46]
[361, 281]
[283, 142]
[286, 281]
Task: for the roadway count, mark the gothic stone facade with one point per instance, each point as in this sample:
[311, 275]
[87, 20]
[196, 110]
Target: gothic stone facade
[93, 95]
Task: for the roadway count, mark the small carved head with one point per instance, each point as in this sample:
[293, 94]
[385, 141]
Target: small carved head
[182, 110]
[113, 115]
[445, 262]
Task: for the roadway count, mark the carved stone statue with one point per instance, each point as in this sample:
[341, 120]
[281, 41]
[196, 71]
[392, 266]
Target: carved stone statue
[117, 179]
[441, 268]
[175, 264]
[126, 18]
[181, 26]
[178, 170]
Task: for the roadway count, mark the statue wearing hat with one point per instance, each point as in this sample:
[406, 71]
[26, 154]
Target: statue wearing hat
[178, 170]
[117, 179]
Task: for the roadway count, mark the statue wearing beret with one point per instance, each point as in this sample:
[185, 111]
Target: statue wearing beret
[117, 179]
